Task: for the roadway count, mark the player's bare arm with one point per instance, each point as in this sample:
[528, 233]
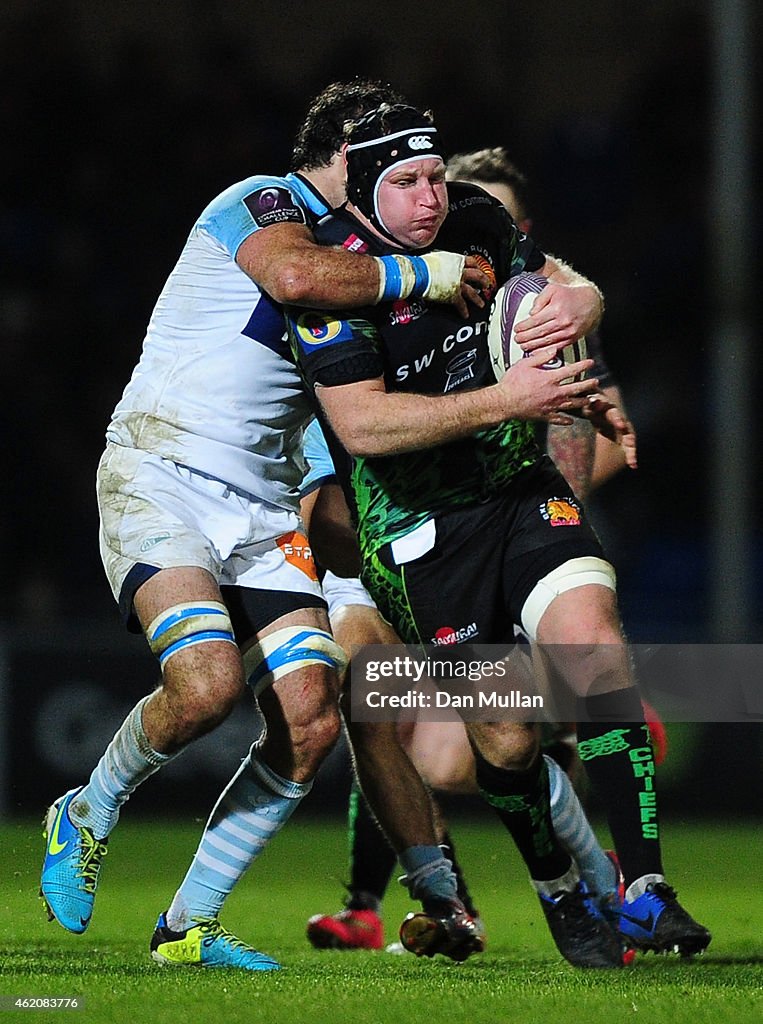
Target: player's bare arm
[286, 262]
[572, 449]
[609, 457]
[575, 447]
[369, 420]
[611, 422]
[567, 309]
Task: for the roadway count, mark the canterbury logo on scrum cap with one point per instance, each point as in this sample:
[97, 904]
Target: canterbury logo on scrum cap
[419, 142]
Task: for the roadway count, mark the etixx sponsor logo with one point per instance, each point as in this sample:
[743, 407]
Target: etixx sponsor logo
[151, 542]
[296, 551]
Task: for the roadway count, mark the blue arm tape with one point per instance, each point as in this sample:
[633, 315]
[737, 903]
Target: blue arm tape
[421, 270]
[392, 279]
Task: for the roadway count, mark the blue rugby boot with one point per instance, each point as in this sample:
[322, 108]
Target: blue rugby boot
[657, 921]
[206, 944]
[70, 869]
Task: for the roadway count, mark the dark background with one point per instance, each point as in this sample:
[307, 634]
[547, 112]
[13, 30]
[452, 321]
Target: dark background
[121, 120]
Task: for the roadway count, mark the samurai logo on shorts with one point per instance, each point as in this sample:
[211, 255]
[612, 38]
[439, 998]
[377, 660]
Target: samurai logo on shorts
[561, 511]
[447, 635]
[273, 205]
[297, 552]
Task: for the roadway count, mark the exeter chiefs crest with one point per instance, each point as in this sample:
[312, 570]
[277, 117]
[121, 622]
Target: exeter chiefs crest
[561, 512]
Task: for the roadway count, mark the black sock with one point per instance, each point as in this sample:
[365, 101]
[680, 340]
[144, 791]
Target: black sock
[615, 748]
[521, 801]
[464, 895]
[372, 859]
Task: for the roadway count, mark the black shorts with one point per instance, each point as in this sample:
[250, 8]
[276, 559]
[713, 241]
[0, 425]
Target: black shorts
[472, 583]
[250, 608]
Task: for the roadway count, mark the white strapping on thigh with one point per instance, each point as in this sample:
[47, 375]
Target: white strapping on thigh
[288, 650]
[341, 592]
[187, 624]
[576, 572]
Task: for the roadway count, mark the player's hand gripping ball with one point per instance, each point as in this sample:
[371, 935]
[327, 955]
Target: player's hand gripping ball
[512, 305]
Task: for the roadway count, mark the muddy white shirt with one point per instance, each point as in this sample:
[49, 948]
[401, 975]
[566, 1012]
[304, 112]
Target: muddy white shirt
[216, 388]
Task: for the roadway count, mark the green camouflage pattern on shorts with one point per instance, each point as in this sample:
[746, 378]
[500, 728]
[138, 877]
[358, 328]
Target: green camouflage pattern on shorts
[395, 495]
[388, 590]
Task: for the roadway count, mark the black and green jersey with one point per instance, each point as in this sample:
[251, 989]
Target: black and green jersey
[426, 348]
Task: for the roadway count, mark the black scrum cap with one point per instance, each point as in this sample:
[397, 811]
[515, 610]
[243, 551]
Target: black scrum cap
[383, 139]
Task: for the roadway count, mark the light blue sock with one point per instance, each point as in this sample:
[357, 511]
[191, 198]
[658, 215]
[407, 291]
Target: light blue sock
[253, 807]
[127, 762]
[428, 875]
[576, 835]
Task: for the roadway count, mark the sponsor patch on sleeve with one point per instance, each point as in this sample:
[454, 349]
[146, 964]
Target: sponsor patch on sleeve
[273, 205]
[315, 330]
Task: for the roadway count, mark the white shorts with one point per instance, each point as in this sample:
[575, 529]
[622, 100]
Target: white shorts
[340, 592]
[157, 513]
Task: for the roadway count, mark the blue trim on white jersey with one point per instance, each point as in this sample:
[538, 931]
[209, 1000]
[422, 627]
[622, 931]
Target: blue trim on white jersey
[230, 220]
[267, 326]
[204, 394]
[320, 466]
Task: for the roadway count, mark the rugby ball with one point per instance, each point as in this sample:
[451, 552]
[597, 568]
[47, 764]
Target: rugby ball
[512, 304]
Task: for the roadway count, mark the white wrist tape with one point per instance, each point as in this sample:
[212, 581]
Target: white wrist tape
[435, 276]
[445, 270]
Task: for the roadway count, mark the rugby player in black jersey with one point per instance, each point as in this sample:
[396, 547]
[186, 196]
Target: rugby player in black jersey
[457, 512]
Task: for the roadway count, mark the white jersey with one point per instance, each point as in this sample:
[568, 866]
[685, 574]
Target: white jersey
[216, 388]
[339, 591]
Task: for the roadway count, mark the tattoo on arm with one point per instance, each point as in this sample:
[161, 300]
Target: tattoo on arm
[572, 449]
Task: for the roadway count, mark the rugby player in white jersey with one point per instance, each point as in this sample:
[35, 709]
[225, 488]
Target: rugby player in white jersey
[200, 534]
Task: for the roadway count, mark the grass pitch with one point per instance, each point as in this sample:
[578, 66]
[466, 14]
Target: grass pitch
[520, 978]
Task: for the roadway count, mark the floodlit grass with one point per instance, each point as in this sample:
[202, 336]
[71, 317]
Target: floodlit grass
[520, 978]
